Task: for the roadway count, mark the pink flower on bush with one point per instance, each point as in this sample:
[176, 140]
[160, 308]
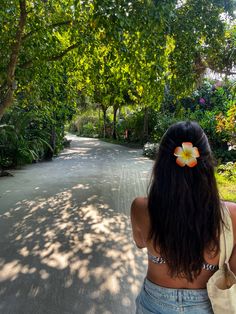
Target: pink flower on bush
[202, 101]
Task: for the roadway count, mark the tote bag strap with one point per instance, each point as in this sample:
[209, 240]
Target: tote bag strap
[226, 238]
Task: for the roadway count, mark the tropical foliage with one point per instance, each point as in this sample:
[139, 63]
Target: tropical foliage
[129, 62]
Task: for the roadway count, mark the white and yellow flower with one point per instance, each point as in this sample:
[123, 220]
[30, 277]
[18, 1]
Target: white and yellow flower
[186, 155]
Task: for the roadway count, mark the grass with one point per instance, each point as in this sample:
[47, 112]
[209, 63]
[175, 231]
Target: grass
[227, 188]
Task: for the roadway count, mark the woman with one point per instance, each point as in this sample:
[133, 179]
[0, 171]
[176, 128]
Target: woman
[179, 223]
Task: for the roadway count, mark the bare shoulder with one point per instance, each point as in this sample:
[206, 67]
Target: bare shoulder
[140, 221]
[139, 208]
[139, 203]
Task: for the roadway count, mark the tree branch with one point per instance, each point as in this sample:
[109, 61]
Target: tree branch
[29, 63]
[63, 53]
[7, 99]
[227, 72]
[49, 26]
[17, 43]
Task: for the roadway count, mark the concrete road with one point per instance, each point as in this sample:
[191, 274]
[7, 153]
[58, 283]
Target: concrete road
[65, 235]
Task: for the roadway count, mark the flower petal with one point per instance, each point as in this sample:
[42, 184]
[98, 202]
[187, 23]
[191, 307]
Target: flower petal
[180, 161]
[195, 152]
[187, 146]
[178, 151]
[191, 162]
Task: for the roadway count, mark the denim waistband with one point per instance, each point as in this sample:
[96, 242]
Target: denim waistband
[177, 295]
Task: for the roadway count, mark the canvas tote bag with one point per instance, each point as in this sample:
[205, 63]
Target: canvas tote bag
[221, 287]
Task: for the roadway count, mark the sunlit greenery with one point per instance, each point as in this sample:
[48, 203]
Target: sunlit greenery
[227, 188]
[62, 60]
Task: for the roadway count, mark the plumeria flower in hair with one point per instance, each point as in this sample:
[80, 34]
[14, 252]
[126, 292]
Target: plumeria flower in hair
[186, 155]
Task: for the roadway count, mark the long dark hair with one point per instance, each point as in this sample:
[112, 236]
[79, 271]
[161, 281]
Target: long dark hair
[184, 204]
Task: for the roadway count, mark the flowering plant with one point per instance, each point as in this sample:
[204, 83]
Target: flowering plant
[202, 100]
[186, 155]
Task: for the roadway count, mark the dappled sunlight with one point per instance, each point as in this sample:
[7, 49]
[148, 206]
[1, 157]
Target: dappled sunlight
[134, 151]
[56, 259]
[93, 143]
[89, 242]
[10, 271]
[75, 243]
[81, 187]
[78, 150]
[141, 161]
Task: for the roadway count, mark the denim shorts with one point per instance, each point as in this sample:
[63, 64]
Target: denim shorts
[159, 300]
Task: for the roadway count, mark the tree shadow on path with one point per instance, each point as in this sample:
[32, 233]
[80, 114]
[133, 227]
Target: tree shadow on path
[60, 255]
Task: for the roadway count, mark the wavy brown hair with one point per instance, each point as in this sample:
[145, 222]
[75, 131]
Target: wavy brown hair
[184, 204]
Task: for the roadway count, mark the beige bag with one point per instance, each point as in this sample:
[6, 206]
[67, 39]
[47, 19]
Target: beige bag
[221, 287]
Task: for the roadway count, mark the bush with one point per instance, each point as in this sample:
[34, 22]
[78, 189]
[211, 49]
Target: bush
[159, 123]
[20, 145]
[225, 155]
[209, 106]
[227, 170]
[89, 129]
[133, 123]
[208, 121]
[29, 134]
[212, 106]
[150, 150]
[85, 125]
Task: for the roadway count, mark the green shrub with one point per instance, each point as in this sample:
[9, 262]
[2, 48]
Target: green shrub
[133, 123]
[18, 147]
[24, 138]
[86, 125]
[227, 170]
[150, 150]
[89, 129]
[208, 105]
[225, 155]
[159, 123]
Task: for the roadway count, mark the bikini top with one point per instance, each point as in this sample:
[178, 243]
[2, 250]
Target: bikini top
[206, 266]
[161, 260]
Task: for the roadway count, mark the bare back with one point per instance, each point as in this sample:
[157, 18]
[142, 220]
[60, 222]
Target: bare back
[159, 273]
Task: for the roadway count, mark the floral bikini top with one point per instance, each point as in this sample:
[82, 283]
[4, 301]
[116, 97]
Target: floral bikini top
[161, 260]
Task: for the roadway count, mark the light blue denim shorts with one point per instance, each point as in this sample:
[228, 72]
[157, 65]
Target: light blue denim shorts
[159, 300]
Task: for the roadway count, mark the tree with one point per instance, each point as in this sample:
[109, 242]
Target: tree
[45, 32]
[224, 60]
[171, 48]
[8, 85]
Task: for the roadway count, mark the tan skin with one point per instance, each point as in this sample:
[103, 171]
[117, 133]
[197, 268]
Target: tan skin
[158, 273]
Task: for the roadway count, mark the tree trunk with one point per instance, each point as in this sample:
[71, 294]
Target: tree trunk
[99, 121]
[114, 134]
[104, 121]
[145, 125]
[6, 99]
[49, 153]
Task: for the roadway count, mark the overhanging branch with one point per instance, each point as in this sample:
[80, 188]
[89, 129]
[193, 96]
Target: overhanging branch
[30, 63]
[63, 53]
[49, 26]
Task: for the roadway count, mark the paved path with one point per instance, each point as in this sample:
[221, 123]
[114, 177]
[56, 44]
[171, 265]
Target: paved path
[65, 237]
